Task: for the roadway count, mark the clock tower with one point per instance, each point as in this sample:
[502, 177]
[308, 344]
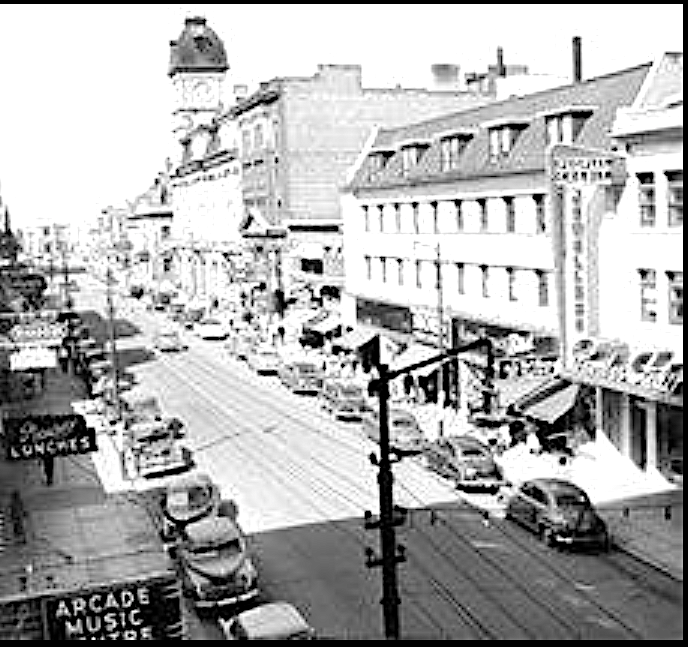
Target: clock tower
[198, 67]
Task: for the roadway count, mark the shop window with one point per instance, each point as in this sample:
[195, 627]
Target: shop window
[648, 295]
[312, 265]
[646, 199]
[675, 198]
[675, 297]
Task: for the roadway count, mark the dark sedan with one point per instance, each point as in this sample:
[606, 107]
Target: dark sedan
[560, 513]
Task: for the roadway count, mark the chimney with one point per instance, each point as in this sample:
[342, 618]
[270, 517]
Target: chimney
[445, 76]
[501, 70]
[577, 60]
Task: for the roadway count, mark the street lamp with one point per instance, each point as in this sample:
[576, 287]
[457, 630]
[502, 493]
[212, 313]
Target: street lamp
[113, 341]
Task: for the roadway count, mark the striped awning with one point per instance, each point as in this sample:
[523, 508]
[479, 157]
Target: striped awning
[330, 323]
[355, 339]
[412, 355]
[554, 406]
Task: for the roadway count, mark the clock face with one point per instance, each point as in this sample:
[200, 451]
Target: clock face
[201, 91]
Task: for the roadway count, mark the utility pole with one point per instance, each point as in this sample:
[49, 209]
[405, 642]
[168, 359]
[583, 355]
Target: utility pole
[440, 338]
[390, 516]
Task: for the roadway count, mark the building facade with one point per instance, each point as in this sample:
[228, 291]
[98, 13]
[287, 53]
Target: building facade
[455, 220]
[633, 354]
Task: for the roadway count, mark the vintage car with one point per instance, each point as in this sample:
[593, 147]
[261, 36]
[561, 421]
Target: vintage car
[169, 341]
[302, 377]
[344, 399]
[560, 513]
[466, 461]
[187, 499]
[405, 434]
[212, 329]
[242, 344]
[161, 458]
[217, 570]
[268, 621]
[264, 360]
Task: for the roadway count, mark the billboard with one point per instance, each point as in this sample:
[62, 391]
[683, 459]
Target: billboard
[39, 436]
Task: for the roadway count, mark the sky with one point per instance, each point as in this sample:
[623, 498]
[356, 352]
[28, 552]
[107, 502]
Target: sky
[85, 100]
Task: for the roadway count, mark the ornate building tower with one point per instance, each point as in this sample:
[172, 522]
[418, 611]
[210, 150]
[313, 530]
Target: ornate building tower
[198, 67]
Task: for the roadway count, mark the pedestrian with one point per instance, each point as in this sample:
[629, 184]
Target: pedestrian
[48, 468]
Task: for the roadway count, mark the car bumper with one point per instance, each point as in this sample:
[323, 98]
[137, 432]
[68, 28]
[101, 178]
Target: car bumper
[230, 600]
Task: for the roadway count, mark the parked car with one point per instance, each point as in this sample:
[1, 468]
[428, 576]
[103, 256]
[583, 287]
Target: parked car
[559, 511]
[405, 433]
[169, 341]
[268, 621]
[302, 376]
[264, 360]
[345, 399]
[165, 456]
[209, 328]
[186, 500]
[465, 460]
[216, 567]
[241, 345]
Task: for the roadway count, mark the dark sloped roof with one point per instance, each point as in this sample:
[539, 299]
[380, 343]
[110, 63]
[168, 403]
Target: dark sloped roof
[198, 49]
[606, 94]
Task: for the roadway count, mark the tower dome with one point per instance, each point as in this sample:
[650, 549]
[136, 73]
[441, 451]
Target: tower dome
[198, 49]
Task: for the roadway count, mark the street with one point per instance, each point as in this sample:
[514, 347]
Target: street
[302, 482]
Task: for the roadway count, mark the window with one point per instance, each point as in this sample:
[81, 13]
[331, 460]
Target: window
[400, 271]
[397, 216]
[555, 129]
[510, 215]
[675, 297]
[369, 267]
[410, 156]
[165, 232]
[450, 151]
[675, 198]
[543, 289]
[377, 161]
[416, 220]
[485, 281]
[383, 268]
[366, 217]
[646, 198]
[540, 214]
[258, 134]
[511, 278]
[246, 142]
[648, 295]
[459, 215]
[312, 266]
[435, 217]
[503, 140]
[461, 278]
[419, 267]
[484, 219]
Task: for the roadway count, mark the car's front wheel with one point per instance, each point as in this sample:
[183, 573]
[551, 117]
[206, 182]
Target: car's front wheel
[546, 534]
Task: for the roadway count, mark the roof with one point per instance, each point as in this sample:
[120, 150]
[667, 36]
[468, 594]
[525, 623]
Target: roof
[212, 530]
[556, 485]
[198, 49]
[606, 93]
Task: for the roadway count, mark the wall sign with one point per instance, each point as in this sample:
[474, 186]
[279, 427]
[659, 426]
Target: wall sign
[132, 611]
[48, 435]
[32, 357]
[579, 259]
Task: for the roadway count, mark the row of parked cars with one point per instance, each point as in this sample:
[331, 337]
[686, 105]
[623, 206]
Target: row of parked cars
[216, 564]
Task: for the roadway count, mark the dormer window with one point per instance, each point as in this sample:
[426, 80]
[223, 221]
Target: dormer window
[411, 154]
[503, 139]
[451, 149]
[564, 125]
[377, 160]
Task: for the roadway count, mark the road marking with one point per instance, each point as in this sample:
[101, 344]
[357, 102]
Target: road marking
[489, 544]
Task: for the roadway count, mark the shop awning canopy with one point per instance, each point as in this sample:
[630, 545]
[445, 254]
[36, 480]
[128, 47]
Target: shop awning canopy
[554, 406]
[355, 339]
[412, 355]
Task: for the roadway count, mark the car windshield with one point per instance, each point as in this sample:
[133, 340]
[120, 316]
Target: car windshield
[227, 548]
[473, 452]
[351, 391]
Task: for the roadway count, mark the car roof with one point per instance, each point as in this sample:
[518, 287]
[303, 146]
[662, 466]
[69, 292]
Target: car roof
[212, 530]
[191, 480]
[467, 441]
[556, 486]
[272, 619]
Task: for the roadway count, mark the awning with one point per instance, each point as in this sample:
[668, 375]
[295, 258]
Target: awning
[555, 405]
[296, 318]
[512, 390]
[309, 250]
[355, 339]
[330, 323]
[412, 355]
